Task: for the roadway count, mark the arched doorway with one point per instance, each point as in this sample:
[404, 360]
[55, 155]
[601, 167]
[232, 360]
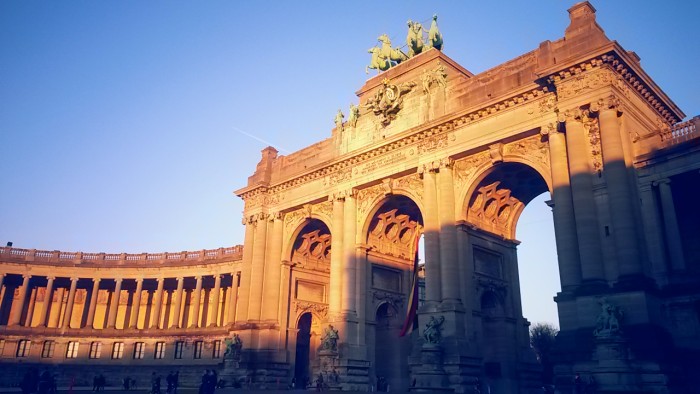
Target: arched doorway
[303, 350]
[309, 256]
[388, 350]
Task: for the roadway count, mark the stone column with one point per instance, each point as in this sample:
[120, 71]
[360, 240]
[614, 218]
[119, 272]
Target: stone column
[71, 301]
[563, 212]
[673, 235]
[16, 314]
[248, 245]
[336, 279]
[582, 195]
[114, 306]
[2, 279]
[217, 295]
[93, 302]
[285, 284]
[361, 292]
[349, 264]
[431, 239]
[136, 304]
[197, 295]
[272, 269]
[257, 269]
[232, 299]
[30, 308]
[157, 304]
[178, 303]
[620, 197]
[449, 265]
[653, 231]
[48, 300]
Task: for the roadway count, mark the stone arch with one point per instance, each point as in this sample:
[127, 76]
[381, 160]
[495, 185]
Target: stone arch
[368, 220]
[295, 221]
[385, 303]
[497, 196]
[311, 239]
[318, 315]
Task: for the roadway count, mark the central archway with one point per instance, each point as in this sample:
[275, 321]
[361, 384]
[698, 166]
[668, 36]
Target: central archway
[492, 210]
[391, 234]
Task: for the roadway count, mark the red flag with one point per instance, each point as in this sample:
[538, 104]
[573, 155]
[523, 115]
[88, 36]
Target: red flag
[412, 307]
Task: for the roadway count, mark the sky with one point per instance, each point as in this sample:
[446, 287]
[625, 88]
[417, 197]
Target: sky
[125, 126]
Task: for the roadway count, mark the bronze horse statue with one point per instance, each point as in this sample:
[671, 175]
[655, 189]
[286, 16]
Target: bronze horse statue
[378, 62]
[393, 54]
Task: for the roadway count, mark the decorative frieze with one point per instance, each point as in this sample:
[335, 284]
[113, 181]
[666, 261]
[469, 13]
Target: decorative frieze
[321, 310]
[420, 142]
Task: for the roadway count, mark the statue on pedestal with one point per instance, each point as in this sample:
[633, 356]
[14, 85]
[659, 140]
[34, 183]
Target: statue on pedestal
[608, 322]
[329, 341]
[433, 327]
[233, 347]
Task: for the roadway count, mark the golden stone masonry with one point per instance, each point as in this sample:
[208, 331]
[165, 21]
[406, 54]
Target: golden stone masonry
[321, 285]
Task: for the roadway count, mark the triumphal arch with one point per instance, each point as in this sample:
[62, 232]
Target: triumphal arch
[326, 276]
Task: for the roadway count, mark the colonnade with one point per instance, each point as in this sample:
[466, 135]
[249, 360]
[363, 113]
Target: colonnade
[118, 303]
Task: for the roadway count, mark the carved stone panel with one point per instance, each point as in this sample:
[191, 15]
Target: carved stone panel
[465, 169]
[532, 148]
[308, 291]
[386, 279]
[320, 310]
[488, 263]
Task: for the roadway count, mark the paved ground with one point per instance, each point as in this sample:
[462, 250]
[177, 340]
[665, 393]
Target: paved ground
[185, 390]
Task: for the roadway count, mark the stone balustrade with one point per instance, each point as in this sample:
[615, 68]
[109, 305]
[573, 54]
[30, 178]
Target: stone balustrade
[681, 132]
[9, 254]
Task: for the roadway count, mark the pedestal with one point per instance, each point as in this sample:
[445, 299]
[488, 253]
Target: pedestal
[327, 369]
[232, 373]
[430, 375]
[616, 371]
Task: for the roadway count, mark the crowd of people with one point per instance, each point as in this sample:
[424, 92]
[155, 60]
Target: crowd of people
[210, 381]
[33, 382]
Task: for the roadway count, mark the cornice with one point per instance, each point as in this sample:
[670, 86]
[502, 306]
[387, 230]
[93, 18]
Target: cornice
[616, 59]
[410, 137]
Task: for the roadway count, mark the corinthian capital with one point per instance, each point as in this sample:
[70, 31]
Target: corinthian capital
[272, 216]
[432, 166]
[446, 163]
[571, 115]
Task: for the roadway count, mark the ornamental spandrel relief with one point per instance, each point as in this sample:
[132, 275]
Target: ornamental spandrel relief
[465, 169]
[532, 148]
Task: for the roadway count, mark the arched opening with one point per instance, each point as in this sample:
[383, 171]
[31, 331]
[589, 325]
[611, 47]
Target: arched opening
[494, 209]
[312, 246]
[392, 235]
[303, 355]
[537, 257]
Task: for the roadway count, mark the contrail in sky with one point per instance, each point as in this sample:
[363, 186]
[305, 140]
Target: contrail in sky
[261, 140]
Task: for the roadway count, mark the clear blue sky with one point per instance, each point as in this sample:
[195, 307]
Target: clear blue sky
[118, 118]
